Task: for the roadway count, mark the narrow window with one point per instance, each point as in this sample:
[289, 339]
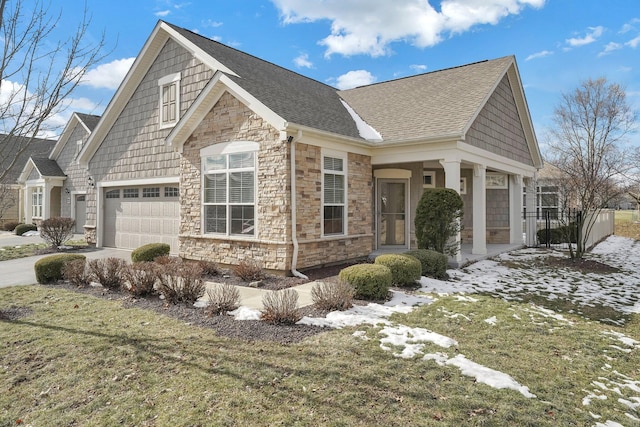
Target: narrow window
[36, 202]
[169, 100]
[333, 215]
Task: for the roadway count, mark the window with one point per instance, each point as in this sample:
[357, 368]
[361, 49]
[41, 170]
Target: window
[36, 202]
[229, 193]
[130, 193]
[112, 194]
[78, 147]
[151, 192]
[169, 100]
[547, 201]
[428, 179]
[334, 189]
[171, 191]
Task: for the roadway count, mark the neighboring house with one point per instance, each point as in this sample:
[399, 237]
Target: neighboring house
[17, 148]
[228, 157]
[56, 185]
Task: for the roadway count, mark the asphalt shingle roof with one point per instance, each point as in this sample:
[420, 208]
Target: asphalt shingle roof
[90, 120]
[47, 167]
[10, 145]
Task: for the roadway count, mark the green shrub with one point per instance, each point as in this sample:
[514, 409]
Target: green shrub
[562, 234]
[23, 228]
[434, 264]
[405, 269]
[10, 226]
[438, 219]
[150, 252]
[49, 269]
[371, 281]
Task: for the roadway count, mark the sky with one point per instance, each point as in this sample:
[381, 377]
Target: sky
[348, 43]
[491, 277]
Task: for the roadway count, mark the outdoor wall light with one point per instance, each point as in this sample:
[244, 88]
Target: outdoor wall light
[90, 182]
[66, 190]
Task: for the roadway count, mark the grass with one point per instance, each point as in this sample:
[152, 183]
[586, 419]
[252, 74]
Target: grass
[627, 225]
[79, 360]
[21, 251]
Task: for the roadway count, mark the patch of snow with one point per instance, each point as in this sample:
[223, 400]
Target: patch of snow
[31, 233]
[364, 129]
[245, 313]
[491, 320]
[609, 424]
[623, 338]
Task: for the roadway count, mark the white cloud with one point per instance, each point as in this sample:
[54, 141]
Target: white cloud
[633, 43]
[108, 75]
[629, 26]
[610, 47]
[540, 54]
[418, 68]
[302, 61]
[354, 78]
[162, 13]
[590, 37]
[212, 23]
[370, 30]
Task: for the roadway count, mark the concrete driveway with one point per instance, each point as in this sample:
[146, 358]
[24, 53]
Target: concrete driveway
[20, 271]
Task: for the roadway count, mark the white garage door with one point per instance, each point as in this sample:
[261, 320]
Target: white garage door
[135, 216]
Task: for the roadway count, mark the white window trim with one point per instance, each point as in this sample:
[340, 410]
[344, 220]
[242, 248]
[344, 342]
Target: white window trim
[162, 83]
[338, 155]
[232, 147]
[432, 174]
[37, 190]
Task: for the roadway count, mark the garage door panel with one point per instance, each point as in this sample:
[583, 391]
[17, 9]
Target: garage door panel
[133, 222]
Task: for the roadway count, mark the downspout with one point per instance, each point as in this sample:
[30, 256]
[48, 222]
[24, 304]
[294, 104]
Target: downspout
[294, 222]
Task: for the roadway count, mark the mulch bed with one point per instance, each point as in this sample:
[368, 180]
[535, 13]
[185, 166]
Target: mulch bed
[582, 265]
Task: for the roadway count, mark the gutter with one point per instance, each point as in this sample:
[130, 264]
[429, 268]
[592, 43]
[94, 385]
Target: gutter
[294, 237]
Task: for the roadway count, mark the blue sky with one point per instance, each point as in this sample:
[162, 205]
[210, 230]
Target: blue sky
[345, 43]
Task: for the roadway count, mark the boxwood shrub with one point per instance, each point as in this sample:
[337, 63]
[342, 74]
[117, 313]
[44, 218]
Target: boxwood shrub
[150, 252]
[371, 281]
[434, 264]
[49, 269]
[562, 234]
[23, 228]
[405, 269]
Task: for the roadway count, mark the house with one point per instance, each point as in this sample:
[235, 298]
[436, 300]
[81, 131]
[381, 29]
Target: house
[14, 153]
[228, 157]
[55, 185]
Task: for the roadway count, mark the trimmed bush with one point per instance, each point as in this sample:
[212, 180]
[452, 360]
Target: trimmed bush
[281, 307]
[222, 299]
[23, 228]
[370, 281]
[57, 230]
[438, 219]
[76, 272]
[10, 226]
[332, 296]
[108, 272]
[434, 264]
[405, 269]
[141, 277]
[181, 282]
[49, 269]
[249, 271]
[150, 252]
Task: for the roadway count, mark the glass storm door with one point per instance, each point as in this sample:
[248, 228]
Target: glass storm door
[392, 213]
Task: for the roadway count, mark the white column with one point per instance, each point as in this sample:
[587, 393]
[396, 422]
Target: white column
[515, 209]
[452, 180]
[46, 200]
[479, 210]
[530, 204]
[28, 197]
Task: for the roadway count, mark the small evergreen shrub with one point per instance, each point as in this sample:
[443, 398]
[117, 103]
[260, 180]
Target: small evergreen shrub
[370, 281]
[405, 269]
[434, 264]
[333, 296]
[181, 282]
[23, 228]
[281, 307]
[57, 230]
[562, 234]
[108, 272]
[223, 298]
[249, 271]
[49, 269]
[10, 226]
[438, 219]
[150, 252]
[141, 277]
[76, 272]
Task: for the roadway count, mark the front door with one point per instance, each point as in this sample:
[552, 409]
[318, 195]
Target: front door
[392, 213]
[81, 213]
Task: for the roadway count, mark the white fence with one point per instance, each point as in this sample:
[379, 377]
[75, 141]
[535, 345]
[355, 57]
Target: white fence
[602, 226]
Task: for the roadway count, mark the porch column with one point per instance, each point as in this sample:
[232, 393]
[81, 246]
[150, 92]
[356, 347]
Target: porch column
[530, 203]
[452, 180]
[46, 200]
[479, 210]
[28, 197]
[515, 209]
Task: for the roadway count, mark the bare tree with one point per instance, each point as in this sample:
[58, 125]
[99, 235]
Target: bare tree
[37, 76]
[588, 145]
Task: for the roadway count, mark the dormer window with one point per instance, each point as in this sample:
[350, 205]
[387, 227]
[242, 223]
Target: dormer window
[169, 100]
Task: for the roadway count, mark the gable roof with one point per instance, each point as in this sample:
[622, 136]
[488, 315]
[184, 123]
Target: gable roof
[11, 146]
[47, 167]
[87, 121]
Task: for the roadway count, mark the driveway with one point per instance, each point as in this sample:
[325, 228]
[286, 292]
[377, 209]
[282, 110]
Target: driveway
[20, 271]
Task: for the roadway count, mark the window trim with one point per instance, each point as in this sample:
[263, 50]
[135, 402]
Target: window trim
[39, 206]
[432, 175]
[166, 81]
[343, 155]
[226, 149]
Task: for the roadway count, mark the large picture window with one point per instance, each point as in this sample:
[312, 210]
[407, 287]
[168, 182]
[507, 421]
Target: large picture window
[37, 202]
[229, 193]
[333, 195]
